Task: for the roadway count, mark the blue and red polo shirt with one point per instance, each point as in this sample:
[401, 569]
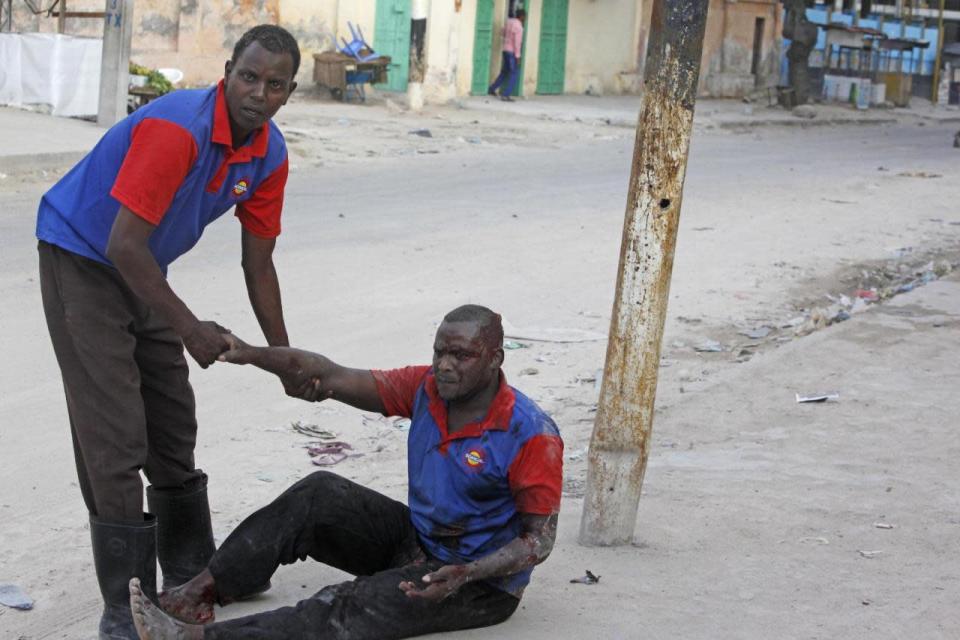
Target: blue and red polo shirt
[468, 489]
[172, 163]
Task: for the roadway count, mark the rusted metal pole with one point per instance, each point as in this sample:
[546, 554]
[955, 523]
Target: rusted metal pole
[621, 433]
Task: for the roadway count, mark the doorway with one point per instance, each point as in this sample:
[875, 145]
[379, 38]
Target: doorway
[758, 26]
[553, 46]
[482, 47]
[391, 37]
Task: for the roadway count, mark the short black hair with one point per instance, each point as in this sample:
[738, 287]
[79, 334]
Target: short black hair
[491, 325]
[272, 38]
[521, 13]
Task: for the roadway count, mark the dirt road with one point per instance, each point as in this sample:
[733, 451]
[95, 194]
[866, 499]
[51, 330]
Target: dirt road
[756, 510]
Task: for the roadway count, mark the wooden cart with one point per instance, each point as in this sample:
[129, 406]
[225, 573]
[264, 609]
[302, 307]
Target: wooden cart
[341, 73]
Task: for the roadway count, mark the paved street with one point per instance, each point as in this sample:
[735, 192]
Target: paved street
[756, 509]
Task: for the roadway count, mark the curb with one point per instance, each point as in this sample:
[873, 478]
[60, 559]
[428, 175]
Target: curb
[802, 122]
[29, 162]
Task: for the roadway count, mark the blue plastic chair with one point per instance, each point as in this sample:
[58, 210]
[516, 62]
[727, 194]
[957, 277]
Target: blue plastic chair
[355, 47]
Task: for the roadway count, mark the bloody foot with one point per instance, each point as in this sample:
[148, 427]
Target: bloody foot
[191, 602]
[153, 624]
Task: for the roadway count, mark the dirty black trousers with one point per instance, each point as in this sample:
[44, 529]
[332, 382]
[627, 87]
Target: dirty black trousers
[129, 399]
[340, 523]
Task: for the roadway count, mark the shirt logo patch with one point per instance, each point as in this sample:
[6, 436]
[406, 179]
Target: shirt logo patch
[474, 458]
[241, 187]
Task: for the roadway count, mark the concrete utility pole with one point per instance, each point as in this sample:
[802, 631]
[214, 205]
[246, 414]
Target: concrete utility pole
[621, 433]
[418, 56]
[115, 62]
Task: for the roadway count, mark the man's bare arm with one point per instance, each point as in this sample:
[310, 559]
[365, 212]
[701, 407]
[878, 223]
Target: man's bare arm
[316, 376]
[529, 549]
[263, 287]
[129, 251]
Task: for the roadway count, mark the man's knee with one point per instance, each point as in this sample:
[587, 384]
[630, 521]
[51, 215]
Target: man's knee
[324, 482]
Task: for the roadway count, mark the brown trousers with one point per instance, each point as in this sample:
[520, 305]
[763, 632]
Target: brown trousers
[129, 399]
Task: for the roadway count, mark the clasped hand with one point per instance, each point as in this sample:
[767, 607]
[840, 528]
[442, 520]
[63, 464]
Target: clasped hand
[205, 341]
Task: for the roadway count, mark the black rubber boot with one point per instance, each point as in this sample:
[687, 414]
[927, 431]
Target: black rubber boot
[120, 552]
[184, 532]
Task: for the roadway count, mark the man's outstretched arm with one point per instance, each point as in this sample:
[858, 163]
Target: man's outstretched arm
[530, 548]
[315, 376]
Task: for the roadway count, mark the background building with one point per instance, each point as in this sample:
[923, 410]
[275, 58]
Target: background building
[571, 46]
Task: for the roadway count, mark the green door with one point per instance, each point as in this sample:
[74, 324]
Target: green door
[482, 45]
[553, 46]
[391, 37]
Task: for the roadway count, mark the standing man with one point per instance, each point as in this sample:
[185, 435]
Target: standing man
[512, 46]
[108, 230]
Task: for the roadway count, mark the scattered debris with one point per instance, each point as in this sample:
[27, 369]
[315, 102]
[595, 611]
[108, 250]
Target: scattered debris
[327, 454]
[576, 455]
[869, 554]
[817, 539]
[529, 371]
[423, 133]
[587, 578]
[400, 424]
[510, 345]
[919, 174]
[13, 596]
[839, 201]
[757, 333]
[818, 398]
[883, 525]
[547, 334]
[709, 346]
[312, 431]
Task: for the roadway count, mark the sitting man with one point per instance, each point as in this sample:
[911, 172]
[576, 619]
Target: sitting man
[485, 474]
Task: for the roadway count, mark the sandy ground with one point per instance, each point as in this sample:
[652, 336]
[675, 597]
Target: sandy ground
[759, 514]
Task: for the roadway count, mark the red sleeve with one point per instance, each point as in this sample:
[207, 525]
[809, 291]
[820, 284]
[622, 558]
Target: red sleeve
[260, 214]
[398, 388]
[536, 476]
[160, 155]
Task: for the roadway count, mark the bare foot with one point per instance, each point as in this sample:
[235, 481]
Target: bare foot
[154, 624]
[193, 601]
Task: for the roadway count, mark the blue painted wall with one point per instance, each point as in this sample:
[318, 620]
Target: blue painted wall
[922, 62]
